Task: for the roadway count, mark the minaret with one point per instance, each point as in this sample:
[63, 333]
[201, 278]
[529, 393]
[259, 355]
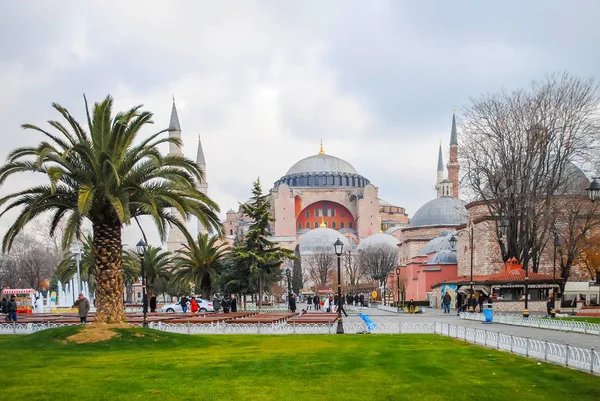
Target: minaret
[202, 186]
[440, 172]
[453, 165]
[175, 238]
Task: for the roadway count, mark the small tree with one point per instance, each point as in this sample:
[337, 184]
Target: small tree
[297, 283]
[257, 256]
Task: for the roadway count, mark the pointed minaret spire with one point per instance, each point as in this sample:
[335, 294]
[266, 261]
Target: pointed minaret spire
[203, 185]
[175, 131]
[200, 161]
[440, 166]
[321, 151]
[453, 133]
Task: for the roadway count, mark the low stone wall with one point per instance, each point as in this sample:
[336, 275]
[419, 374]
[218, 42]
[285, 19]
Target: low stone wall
[518, 306]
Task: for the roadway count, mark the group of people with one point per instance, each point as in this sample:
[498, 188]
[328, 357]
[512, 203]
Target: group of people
[314, 301]
[9, 308]
[470, 303]
[227, 303]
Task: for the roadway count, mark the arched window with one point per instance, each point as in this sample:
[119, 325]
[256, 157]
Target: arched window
[350, 225]
[230, 232]
[342, 224]
[316, 224]
[299, 226]
[333, 225]
[307, 224]
[307, 214]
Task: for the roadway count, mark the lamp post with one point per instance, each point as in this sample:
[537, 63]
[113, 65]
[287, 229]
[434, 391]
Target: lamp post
[77, 251]
[141, 248]
[453, 242]
[288, 274]
[553, 310]
[398, 289]
[338, 246]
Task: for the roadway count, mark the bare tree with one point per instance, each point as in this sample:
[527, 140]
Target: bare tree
[353, 269]
[35, 260]
[320, 267]
[377, 262]
[10, 275]
[519, 150]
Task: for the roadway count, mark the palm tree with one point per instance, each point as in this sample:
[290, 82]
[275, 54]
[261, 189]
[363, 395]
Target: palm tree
[157, 264]
[102, 176]
[199, 262]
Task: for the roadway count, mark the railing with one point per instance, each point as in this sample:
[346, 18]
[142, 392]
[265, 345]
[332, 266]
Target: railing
[28, 328]
[563, 354]
[388, 308]
[537, 322]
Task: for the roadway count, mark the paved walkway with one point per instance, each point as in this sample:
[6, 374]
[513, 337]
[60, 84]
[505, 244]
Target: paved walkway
[560, 337]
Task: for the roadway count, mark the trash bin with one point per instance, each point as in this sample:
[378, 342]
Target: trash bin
[488, 312]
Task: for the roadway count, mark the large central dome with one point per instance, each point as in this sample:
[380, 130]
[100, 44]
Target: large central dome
[322, 170]
[322, 163]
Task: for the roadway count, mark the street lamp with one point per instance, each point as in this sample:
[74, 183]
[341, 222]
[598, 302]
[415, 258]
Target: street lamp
[398, 289]
[338, 247]
[556, 244]
[288, 274]
[593, 190]
[141, 248]
[77, 251]
[453, 242]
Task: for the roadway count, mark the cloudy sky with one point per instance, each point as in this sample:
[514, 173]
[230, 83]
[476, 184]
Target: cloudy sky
[263, 81]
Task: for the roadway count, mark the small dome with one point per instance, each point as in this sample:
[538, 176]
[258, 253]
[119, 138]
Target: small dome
[321, 240]
[444, 211]
[441, 243]
[444, 257]
[231, 211]
[378, 241]
[322, 163]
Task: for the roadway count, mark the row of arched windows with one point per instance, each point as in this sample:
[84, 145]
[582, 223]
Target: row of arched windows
[324, 180]
[333, 225]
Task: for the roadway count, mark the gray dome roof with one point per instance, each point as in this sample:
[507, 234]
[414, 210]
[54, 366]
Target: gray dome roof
[377, 241]
[441, 243]
[444, 211]
[320, 240]
[443, 258]
[322, 164]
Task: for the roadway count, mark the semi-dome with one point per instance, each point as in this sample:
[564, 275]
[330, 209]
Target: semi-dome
[322, 170]
[320, 240]
[378, 241]
[443, 258]
[441, 243]
[444, 211]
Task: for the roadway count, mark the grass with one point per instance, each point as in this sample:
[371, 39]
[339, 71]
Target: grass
[589, 319]
[150, 365]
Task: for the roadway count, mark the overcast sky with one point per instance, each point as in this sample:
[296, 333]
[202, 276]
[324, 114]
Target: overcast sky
[263, 81]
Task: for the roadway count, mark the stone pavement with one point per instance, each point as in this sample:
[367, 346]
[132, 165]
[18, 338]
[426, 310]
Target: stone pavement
[579, 340]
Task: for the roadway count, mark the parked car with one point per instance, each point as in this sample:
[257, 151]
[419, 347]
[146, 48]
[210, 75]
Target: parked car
[203, 306]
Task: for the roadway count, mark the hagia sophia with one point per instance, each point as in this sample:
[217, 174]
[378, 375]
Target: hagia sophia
[323, 197]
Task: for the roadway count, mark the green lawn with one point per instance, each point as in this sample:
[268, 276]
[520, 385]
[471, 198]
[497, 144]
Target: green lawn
[149, 365]
[589, 319]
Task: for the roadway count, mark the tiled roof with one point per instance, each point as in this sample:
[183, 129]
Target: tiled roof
[516, 275]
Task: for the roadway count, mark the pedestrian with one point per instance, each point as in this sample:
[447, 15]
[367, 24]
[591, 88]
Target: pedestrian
[549, 306]
[361, 299]
[233, 303]
[216, 303]
[411, 306]
[480, 301]
[308, 302]
[446, 302]
[458, 303]
[4, 307]
[356, 299]
[153, 303]
[183, 302]
[225, 304]
[83, 307]
[317, 302]
[193, 305]
[12, 309]
[293, 303]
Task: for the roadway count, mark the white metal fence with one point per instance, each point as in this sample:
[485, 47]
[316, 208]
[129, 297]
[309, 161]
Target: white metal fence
[538, 322]
[563, 354]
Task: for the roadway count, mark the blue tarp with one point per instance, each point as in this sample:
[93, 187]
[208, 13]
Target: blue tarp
[370, 324]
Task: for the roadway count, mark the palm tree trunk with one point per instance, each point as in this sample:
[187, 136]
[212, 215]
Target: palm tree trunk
[109, 277]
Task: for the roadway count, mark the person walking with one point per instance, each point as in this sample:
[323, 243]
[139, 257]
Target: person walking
[233, 303]
[193, 305]
[293, 303]
[216, 303]
[309, 300]
[12, 309]
[317, 302]
[361, 298]
[153, 303]
[446, 302]
[480, 301]
[83, 307]
[4, 307]
[183, 302]
[549, 306]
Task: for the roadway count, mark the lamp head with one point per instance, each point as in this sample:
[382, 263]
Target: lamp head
[141, 247]
[593, 190]
[338, 246]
